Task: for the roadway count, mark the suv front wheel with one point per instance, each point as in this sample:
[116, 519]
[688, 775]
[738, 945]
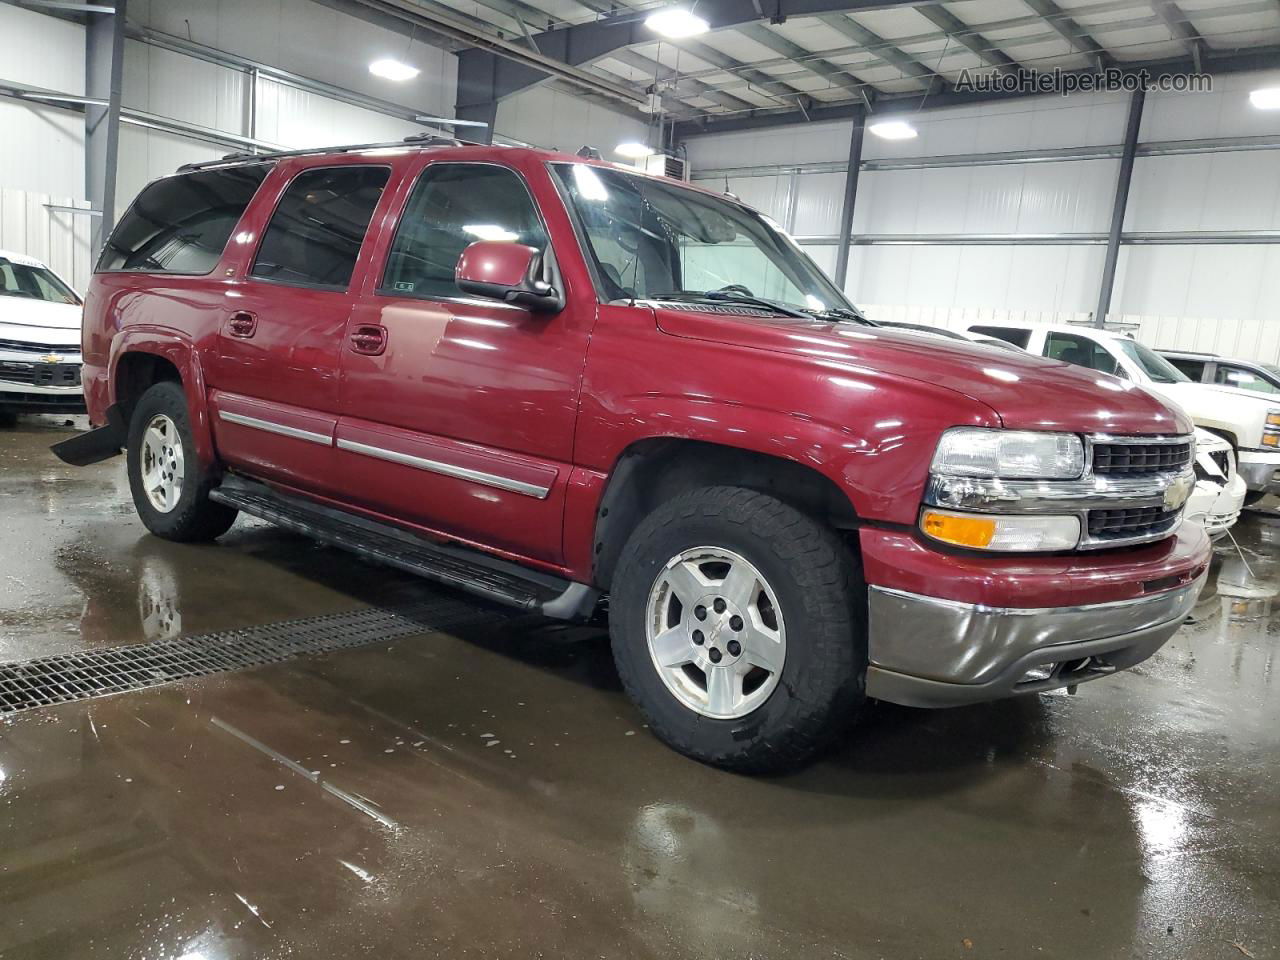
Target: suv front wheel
[738, 629]
[170, 487]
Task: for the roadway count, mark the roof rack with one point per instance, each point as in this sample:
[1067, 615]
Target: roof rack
[1189, 353]
[413, 140]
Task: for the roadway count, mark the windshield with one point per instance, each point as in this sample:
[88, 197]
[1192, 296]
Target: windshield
[1151, 363]
[33, 283]
[655, 240]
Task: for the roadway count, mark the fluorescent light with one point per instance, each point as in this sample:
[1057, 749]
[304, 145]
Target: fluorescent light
[390, 69]
[676, 23]
[490, 231]
[634, 149]
[1268, 98]
[893, 130]
[452, 123]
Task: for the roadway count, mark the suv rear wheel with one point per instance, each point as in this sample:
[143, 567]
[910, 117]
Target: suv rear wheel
[738, 629]
[170, 487]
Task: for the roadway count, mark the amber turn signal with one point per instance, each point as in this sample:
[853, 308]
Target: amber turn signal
[961, 531]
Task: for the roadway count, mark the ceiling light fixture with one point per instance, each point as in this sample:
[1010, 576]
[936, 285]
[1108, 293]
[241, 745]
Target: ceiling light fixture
[893, 130]
[676, 23]
[1268, 98]
[633, 149]
[390, 69]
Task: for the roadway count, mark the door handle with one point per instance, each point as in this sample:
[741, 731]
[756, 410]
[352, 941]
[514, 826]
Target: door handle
[369, 339]
[242, 324]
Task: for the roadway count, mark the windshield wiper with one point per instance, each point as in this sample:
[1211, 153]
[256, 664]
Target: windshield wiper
[724, 296]
[845, 313]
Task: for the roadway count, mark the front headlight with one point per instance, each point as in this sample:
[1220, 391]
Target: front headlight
[1008, 454]
[1010, 533]
[1271, 430]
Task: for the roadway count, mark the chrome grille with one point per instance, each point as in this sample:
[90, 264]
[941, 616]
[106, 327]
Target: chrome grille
[1123, 523]
[41, 374]
[1111, 459]
[22, 346]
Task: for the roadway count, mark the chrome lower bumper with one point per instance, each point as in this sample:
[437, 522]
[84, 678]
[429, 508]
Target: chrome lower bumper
[1261, 471]
[929, 652]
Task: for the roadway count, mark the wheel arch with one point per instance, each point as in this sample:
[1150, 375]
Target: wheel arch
[650, 471]
[142, 357]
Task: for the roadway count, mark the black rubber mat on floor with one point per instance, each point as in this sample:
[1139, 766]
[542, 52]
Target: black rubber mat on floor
[96, 673]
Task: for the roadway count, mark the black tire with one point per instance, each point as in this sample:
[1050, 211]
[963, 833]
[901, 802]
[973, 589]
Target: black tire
[821, 595]
[194, 517]
[1253, 496]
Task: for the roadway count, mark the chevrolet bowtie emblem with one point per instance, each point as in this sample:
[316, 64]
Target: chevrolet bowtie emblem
[1177, 492]
[51, 358]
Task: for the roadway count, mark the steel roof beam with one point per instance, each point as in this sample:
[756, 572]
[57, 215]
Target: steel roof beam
[1181, 28]
[1071, 31]
[1261, 58]
[959, 31]
[885, 50]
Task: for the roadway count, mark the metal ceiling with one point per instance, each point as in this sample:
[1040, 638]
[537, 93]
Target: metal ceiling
[773, 61]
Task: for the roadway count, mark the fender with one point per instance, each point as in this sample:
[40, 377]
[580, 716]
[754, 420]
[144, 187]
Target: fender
[180, 351]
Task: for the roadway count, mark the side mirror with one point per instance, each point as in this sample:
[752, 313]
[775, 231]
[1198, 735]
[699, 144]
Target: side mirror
[510, 272]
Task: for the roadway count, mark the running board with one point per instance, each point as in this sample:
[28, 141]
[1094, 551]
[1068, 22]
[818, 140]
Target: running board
[448, 564]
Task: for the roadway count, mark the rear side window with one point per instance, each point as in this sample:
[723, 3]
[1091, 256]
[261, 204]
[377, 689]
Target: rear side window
[1192, 368]
[452, 206]
[181, 224]
[314, 236]
[1019, 338]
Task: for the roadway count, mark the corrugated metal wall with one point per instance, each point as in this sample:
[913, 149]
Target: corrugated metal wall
[1178, 294]
[56, 237]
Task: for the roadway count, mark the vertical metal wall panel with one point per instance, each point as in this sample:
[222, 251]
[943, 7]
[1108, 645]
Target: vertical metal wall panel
[771, 195]
[546, 117]
[42, 148]
[59, 238]
[819, 197]
[807, 143]
[312, 40]
[1226, 112]
[1218, 191]
[148, 154]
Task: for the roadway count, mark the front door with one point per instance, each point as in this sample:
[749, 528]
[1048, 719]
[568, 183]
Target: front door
[274, 377]
[458, 412]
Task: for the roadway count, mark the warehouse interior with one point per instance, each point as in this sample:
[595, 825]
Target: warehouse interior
[269, 745]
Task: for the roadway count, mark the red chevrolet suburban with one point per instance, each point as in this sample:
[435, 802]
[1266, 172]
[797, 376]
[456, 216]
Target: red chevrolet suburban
[546, 379]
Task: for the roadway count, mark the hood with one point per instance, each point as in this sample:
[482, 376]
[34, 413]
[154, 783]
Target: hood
[38, 315]
[1026, 392]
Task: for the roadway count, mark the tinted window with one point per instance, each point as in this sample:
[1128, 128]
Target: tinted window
[181, 224]
[314, 236]
[1244, 379]
[452, 206]
[1081, 351]
[1019, 338]
[1192, 368]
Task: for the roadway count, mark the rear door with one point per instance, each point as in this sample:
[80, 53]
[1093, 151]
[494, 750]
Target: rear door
[274, 377]
[458, 412]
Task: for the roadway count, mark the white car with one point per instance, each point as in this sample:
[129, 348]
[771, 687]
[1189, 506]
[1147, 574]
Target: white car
[1249, 421]
[39, 339]
[1219, 493]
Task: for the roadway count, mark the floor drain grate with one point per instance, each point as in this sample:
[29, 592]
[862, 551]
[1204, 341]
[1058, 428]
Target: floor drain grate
[96, 673]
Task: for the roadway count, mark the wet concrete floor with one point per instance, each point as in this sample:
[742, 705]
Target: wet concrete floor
[493, 794]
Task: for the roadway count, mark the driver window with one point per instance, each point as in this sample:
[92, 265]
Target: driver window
[1243, 379]
[452, 206]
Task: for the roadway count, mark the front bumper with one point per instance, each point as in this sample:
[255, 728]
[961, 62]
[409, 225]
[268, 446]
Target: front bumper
[1216, 506]
[941, 653]
[32, 385]
[1260, 469]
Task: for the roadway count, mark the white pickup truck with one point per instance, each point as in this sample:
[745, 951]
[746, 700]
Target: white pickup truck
[1249, 421]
